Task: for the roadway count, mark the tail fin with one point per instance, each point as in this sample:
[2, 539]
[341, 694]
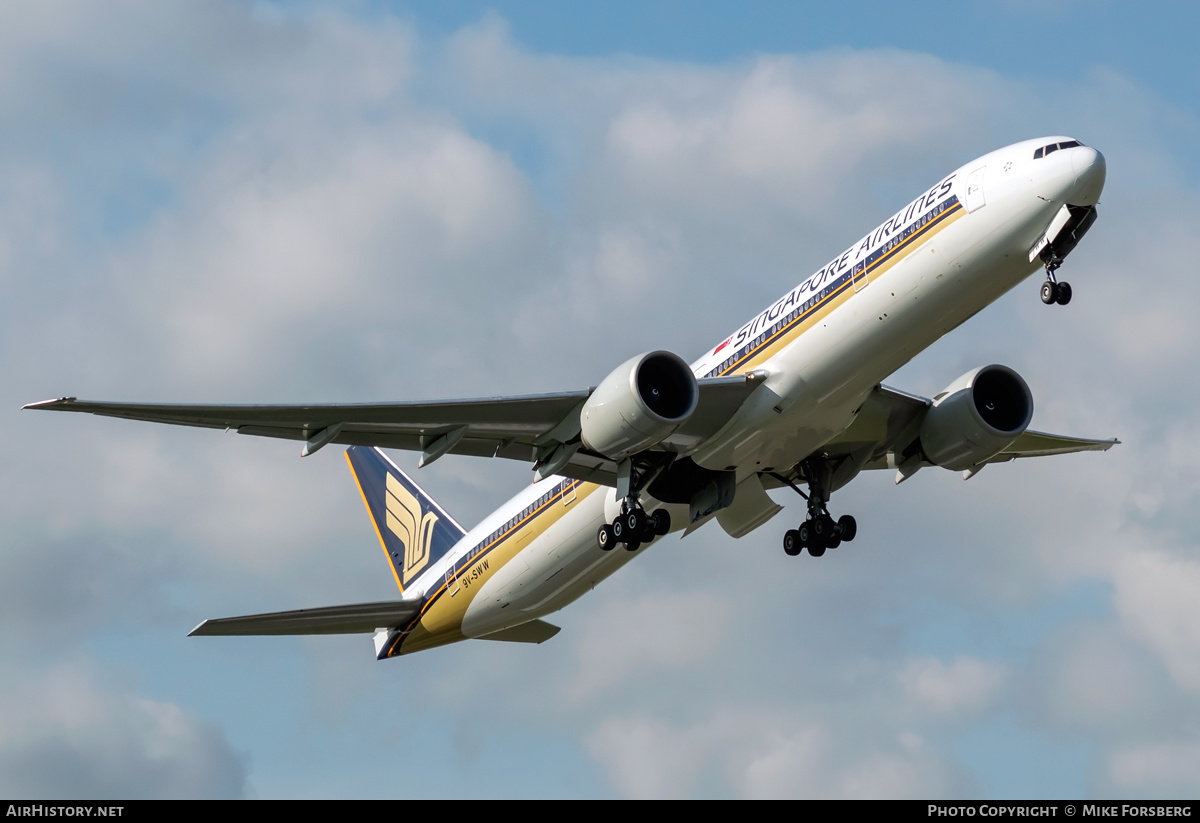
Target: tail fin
[414, 530]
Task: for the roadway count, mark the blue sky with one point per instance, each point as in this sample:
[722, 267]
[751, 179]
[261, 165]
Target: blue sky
[235, 202]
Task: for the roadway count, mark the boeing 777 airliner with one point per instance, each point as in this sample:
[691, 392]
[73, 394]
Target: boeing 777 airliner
[792, 398]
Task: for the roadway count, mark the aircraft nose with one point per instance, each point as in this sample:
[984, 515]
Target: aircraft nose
[1090, 170]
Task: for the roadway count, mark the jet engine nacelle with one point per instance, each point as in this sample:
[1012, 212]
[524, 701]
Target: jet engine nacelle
[638, 405]
[976, 417]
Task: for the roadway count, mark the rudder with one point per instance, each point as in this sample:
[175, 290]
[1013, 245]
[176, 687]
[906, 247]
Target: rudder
[415, 532]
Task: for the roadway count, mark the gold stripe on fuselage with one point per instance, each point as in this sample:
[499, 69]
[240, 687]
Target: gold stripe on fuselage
[440, 621]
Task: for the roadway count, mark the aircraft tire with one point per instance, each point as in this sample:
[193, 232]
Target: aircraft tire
[634, 519]
[849, 527]
[648, 532]
[605, 538]
[1049, 293]
[1064, 294]
[618, 529]
[817, 550]
[822, 528]
[633, 545]
[791, 543]
[805, 534]
[662, 522]
[834, 542]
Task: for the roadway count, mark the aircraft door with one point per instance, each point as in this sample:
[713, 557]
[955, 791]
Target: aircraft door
[858, 276]
[974, 194]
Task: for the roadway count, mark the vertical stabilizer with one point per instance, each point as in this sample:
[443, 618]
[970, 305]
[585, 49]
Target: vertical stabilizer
[414, 530]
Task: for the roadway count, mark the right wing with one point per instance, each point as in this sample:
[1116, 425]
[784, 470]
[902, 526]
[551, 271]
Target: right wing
[540, 429]
[495, 426]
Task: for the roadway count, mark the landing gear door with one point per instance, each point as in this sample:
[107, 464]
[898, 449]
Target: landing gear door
[975, 190]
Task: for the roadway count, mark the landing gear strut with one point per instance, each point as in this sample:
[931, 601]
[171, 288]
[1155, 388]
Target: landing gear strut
[1052, 290]
[820, 531]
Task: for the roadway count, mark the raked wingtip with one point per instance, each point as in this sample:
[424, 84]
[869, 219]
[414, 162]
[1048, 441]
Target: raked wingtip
[50, 404]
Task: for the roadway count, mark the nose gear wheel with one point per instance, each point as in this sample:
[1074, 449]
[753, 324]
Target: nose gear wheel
[1054, 291]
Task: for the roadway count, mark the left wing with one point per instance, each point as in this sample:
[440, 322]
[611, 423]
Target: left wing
[1040, 444]
[884, 435]
[542, 429]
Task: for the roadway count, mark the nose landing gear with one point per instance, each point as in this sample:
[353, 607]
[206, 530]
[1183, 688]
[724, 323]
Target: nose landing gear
[1052, 290]
[1062, 235]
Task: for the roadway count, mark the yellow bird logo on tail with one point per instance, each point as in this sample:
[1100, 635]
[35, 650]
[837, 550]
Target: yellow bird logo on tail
[405, 521]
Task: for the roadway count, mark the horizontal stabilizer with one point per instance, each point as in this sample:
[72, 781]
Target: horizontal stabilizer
[356, 618]
[535, 631]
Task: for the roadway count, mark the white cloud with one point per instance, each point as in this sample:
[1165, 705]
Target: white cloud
[1094, 678]
[310, 238]
[624, 639]
[1153, 332]
[645, 758]
[1156, 599]
[1163, 769]
[66, 734]
[761, 754]
[963, 685]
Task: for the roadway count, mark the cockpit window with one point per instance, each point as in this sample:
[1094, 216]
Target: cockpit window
[1045, 150]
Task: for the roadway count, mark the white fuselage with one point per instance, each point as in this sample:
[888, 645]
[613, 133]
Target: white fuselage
[824, 346]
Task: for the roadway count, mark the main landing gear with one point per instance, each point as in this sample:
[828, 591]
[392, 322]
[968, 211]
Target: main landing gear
[633, 527]
[1052, 290]
[820, 531]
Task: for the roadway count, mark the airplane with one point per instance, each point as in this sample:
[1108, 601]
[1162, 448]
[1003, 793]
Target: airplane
[791, 399]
